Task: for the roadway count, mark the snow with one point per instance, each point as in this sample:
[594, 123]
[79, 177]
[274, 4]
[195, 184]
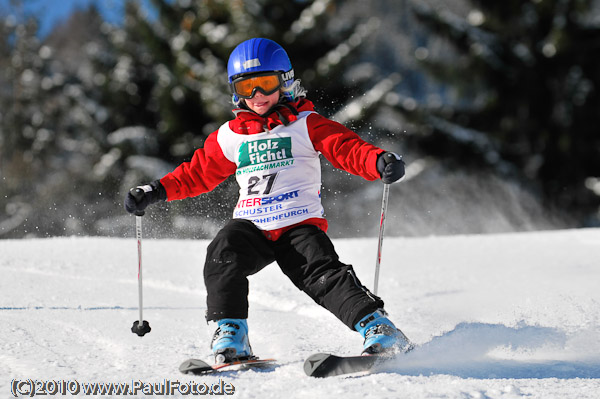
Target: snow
[495, 316]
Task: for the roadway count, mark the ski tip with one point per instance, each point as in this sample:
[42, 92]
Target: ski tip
[194, 365]
[314, 362]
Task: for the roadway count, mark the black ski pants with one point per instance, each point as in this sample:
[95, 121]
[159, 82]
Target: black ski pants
[305, 254]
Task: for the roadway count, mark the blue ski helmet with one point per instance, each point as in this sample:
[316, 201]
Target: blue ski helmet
[261, 55]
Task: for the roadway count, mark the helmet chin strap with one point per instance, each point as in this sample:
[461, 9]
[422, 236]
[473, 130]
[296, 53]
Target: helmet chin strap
[283, 119]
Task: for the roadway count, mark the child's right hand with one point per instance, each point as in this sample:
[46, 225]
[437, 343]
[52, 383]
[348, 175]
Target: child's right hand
[148, 194]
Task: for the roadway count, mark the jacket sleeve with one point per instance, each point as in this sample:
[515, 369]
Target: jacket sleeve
[206, 170]
[342, 147]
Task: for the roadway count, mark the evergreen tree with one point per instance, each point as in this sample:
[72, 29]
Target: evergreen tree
[523, 96]
[51, 136]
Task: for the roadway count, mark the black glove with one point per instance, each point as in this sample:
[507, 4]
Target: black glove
[149, 194]
[390, 166]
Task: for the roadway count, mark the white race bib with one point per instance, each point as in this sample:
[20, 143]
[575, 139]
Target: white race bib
[279, 174]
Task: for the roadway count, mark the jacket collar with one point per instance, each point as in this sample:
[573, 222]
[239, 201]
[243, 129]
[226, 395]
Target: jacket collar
[249, 122]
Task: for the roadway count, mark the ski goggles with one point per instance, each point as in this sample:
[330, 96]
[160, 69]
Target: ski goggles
[247, 86]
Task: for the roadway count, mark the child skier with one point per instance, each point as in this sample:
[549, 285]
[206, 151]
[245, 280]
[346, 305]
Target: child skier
[272, 146]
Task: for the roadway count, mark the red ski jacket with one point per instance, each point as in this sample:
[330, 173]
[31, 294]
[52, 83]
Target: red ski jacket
[209, 166]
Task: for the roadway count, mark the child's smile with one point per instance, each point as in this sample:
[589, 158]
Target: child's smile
[261, 103]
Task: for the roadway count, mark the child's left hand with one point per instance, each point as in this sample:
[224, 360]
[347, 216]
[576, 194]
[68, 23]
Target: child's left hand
[390, 167]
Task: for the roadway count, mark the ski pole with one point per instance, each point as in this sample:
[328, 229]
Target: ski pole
[384, 203]
[140, 327]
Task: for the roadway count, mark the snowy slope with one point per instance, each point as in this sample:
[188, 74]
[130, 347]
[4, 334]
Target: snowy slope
[496, 316]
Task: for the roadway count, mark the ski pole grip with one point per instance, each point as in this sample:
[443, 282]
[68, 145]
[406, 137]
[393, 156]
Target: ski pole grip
[389, 157]
[138, 195]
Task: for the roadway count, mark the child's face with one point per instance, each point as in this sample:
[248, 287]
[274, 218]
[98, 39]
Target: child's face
[261, 103]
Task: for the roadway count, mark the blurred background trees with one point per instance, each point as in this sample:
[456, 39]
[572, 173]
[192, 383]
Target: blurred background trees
[529, 75]
[494, 107]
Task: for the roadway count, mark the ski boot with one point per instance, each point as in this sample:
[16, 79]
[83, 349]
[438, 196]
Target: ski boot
[230, 341]
[381, 336]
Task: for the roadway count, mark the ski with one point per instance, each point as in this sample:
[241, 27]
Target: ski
[327, 365]
[199, 367]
